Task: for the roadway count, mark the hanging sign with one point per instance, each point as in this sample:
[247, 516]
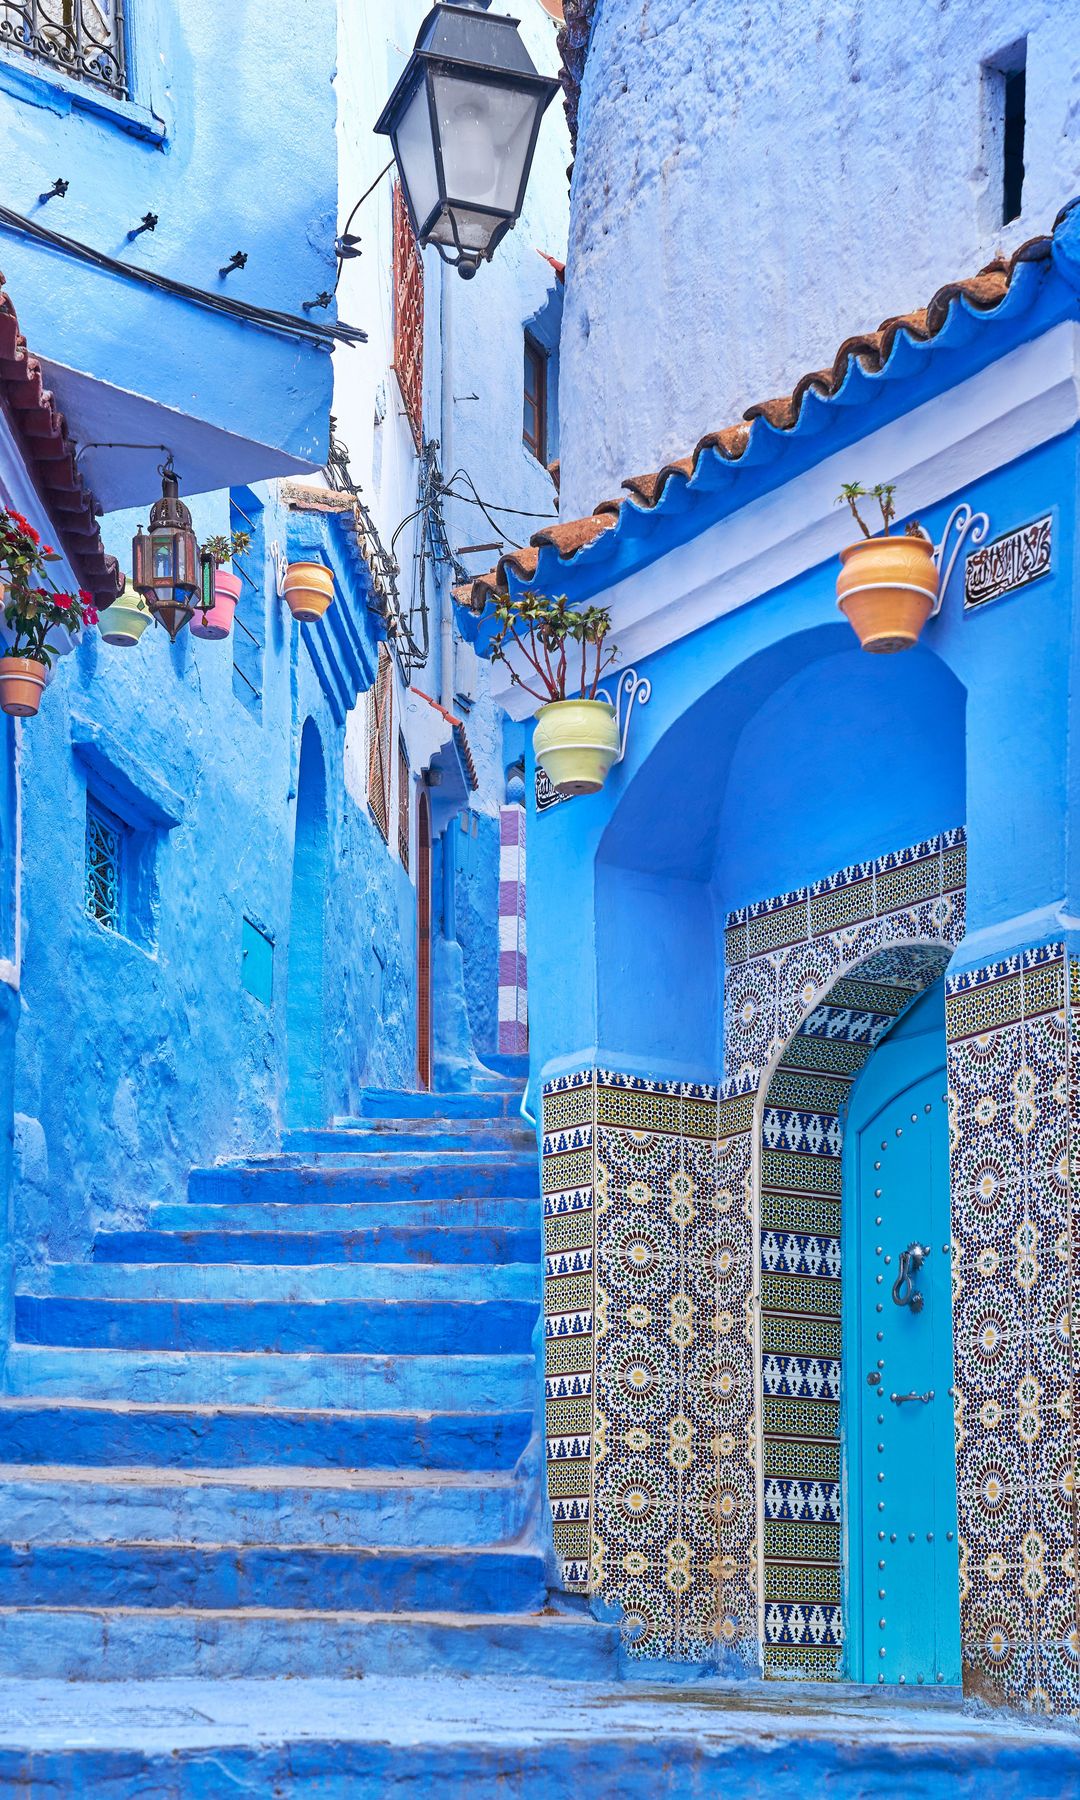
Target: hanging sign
[1010, 562]
[546, 794]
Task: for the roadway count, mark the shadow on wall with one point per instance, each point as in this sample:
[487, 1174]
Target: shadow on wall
[805, 758]
[304, 1000]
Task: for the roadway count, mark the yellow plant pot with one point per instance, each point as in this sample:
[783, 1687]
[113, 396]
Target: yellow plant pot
[22, 683]
[576, 743]
[886, 588]
[124, 622]
[309, 589]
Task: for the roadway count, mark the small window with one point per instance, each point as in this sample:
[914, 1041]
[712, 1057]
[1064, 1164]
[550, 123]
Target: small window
[249, 624]
[534, 421]
[1013, 171]
[83, 39]
[257, 961]
[408, 317]
[380, 742]
[105, 859]
[1005, 103]
[404, 804]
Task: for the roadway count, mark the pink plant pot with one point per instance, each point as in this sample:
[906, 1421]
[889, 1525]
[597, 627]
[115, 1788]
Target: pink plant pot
[217, 622]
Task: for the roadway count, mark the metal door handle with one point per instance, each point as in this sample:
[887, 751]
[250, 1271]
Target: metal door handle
[898, 1399]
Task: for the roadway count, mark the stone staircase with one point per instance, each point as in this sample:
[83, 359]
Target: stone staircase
[285, 1429]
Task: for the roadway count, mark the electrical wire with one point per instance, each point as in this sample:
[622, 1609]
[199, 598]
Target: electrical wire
[344, 232]
[284, 324]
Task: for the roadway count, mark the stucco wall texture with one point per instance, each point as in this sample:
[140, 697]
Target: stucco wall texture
[754, 182]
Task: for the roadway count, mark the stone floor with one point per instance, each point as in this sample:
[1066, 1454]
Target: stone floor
[182, 1738]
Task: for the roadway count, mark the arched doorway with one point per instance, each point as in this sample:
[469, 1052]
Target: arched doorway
[304, 999]
[838, 1511]
[903, 1620]
[423, 941]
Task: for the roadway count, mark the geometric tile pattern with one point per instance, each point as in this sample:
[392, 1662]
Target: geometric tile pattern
[1013, 1033]
[513, 969]
[568, 1105]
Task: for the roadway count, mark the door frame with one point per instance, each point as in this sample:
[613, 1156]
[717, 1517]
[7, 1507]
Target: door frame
[423, 942]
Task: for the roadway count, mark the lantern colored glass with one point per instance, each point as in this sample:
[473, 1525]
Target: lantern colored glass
[165, 560]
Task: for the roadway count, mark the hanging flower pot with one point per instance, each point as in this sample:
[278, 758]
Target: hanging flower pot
[124, 622]
[216, 621]
[309, 590]
[22, 683]
[576, 743]
[888, 585]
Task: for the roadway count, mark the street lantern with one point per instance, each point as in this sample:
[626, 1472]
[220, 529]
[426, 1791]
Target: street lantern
[165, 562]
[463, 121]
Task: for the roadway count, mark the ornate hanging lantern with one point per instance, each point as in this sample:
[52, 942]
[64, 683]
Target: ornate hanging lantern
[165, 561]
[463, 121]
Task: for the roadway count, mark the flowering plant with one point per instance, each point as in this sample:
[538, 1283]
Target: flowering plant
[32, 605]
[547, 634]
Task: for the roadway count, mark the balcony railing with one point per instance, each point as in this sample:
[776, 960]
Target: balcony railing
[81, 38]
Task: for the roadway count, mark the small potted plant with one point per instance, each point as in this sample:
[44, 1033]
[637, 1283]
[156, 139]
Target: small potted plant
[221, 588]
[887, 584]
[309, 589]
[547, 646]
[32, 609]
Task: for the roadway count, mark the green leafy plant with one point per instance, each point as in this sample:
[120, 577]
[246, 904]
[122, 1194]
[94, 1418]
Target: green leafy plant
[556, 644]
[223, 549]
[851, 492]
[33, 606]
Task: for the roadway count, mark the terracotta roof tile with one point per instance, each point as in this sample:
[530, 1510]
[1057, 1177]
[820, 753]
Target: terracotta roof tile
[871, 350]
[42, 433]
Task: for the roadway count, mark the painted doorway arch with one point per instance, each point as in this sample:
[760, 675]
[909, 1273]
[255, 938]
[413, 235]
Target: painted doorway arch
[423, 941]
[305, 1103]
[901, 1554]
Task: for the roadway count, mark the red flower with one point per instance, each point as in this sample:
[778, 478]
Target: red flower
[86, 598]
[90, 616]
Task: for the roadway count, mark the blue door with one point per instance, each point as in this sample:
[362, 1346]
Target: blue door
[902, 1564]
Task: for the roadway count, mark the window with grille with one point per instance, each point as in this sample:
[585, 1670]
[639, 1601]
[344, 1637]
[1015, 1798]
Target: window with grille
[380, 742]
[534, 431]
[80, 38]
[404, 804]
[249, 623]
[105, 859]
[408, 317]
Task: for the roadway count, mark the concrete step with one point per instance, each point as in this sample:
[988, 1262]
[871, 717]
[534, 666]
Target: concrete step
[196, 1437]
[372, 1327]
[487, 1212]
[382, 1137]
[272, 1505]
[197, 1378]
[274, 1282]
[490, 1246]
[344, 1180]
[289, 1577]
[385, 1103]
[114, 1643]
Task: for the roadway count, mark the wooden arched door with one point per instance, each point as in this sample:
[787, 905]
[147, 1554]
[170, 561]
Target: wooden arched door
[423, 941]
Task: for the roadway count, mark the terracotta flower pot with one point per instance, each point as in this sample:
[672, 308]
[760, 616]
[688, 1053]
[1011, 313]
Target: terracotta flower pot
[886, 588]
[576, 743]
[217, 621]
[309, 589]
[22, 683]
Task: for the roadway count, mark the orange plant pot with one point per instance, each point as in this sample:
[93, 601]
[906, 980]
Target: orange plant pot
[22, 683]
[886, 589]
[309, 589]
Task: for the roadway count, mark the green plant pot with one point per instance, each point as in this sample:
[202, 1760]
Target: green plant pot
[576, 743]
[124, 622]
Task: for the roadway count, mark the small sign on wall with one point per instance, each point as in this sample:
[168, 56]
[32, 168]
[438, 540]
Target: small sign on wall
[546, 794]
[1010, 562]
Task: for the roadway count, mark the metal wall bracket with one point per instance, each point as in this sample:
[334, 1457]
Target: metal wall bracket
[629, 687]
[967, 525]
[281, 568]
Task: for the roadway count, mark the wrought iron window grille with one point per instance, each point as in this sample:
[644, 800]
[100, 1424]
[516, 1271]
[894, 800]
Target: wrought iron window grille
[84, 39]
[105, 846]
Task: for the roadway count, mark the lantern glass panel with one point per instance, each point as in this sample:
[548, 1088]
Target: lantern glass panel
[416, 156]
[486, 132]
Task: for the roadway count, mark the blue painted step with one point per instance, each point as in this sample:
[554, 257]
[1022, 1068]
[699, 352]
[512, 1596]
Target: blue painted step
[389, 1327]
[488, 1211]
[300, 1382]
[113, 1644]
[396, 1282]
[428, 1178]
[489, 1246]
[297, 1577]
[384, 1103]
[232, 1437]
[271, 1505]
[388, 1137]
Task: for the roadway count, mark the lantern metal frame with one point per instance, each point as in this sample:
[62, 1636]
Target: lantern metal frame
[168, 596]
[427, 62]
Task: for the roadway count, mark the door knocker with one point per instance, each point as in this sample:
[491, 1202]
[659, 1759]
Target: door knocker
[905, 1293]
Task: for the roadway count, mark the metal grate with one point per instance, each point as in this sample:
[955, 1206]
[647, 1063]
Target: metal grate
[380, 741]
[104, 867]
[408, 317]
[404, 806]
[81, 38]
